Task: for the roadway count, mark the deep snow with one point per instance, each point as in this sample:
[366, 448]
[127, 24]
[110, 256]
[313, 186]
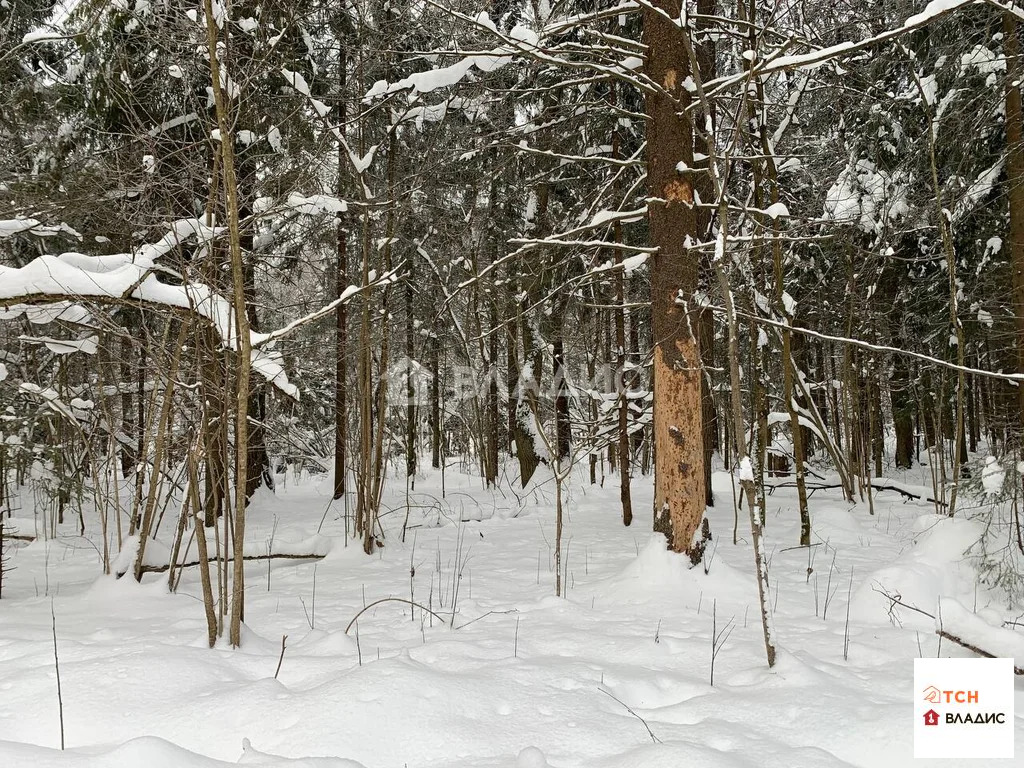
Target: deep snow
[523, 679]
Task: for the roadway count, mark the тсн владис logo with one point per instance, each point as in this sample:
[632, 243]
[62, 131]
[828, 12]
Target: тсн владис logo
[963, 708]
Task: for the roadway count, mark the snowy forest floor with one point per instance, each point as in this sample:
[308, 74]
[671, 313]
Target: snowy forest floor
[576, 678]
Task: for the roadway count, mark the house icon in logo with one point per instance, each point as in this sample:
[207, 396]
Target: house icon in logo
[931, 717]
[932, 694]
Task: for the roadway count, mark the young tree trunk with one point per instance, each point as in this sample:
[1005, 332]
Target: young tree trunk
[341, 313]
[241, 323]
[708, 415]
[258, 463]
[494, 419]
[745, 469]
[128, 459]
[435, 401]
[410, 381]
[215, 420]
[192, 502]
[902, 414]
[519, 409]
[678, 445]
[623, 381]
[705, 62]
[365, 392]
[563, 424]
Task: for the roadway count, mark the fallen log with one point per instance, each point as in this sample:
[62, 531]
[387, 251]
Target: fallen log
[969, 630]
[811, 487]
[975, 649]
[164, 567]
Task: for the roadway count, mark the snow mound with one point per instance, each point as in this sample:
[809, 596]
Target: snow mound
[657, 571]
[251, 756]
[151, 752]
[531, 757]
[766, 754]
[934, 566]
[954, 619]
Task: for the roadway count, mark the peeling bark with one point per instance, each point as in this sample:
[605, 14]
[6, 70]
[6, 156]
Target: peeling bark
[678, 430]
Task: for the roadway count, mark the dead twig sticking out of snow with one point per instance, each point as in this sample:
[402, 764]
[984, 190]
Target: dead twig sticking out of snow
[56, 668]
[718, 639]
[654, 738]
[895, 600]
[305, 611]
[391, 600]
[846, 628]
[484, 616]
[313, 619]
[280, 658]
[829, 592]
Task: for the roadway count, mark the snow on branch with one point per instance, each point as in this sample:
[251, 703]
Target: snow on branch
[87, 345]
[262, 339]
[9, 227]
[132, 278]
[934, 10]
[1013, 378]
[520, 41]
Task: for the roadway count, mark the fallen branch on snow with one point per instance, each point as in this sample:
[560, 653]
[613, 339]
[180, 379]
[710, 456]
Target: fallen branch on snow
[811, 487]
[163, 568]
[975, 649]
[968, 630]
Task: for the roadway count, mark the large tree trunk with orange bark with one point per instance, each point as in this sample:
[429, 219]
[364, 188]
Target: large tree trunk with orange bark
[679, 454]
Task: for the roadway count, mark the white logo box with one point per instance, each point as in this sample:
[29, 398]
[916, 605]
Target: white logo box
[971, 702]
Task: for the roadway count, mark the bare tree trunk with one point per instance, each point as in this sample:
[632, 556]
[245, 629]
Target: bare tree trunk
[563, 424]
[258, 463]
[957, 334]
[789, 392]
[519, 398]
[704, 60]
[164, 427]
[192, 490]
[241, 322]
[623, 381]
[365, 392]
[128, 459]
[410, 383]
[902, 414]
[377, 471]
[435, 401]
[494, 419]
[678, 445]
[745, 469]
[140, 433]
[340, 284]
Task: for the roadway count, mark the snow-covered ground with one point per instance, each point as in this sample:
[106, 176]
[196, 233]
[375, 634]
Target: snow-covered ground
[614, 675]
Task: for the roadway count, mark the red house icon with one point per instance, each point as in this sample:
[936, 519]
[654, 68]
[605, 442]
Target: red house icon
[931, 717]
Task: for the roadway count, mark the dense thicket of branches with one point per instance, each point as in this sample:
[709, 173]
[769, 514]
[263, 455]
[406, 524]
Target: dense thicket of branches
[544, 211]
